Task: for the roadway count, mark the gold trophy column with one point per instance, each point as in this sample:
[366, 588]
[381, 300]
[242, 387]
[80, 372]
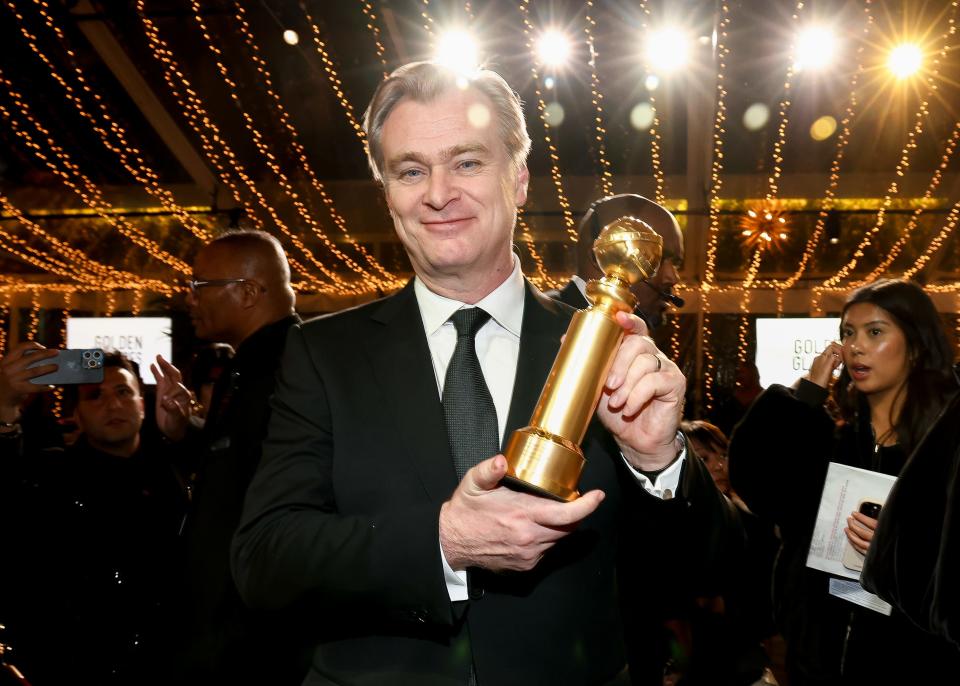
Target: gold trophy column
[545, 457]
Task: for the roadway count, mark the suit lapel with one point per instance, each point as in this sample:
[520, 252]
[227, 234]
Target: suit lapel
[544, 322]
[401, 362]
[572, 296]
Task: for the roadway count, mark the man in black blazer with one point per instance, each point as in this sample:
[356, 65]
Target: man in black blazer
[651, 301]
[356, 514]
[240, 295]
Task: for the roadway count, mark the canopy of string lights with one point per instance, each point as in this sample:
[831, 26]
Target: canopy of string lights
[807, 147]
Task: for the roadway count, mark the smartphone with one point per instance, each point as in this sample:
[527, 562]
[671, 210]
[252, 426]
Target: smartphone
[853, 558]
[73, 367]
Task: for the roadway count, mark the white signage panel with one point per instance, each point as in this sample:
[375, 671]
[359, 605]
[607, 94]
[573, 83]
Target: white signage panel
[786, 347]
[139, 338]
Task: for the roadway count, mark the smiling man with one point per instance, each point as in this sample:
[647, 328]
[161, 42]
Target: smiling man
[378, 507]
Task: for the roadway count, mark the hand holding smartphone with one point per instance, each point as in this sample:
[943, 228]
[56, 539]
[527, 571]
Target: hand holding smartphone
[853, 558]
[77, 366]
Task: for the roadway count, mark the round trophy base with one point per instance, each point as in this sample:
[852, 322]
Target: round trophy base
[544, 464]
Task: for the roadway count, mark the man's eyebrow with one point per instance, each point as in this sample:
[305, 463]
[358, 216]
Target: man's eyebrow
[408, 156]
[456, 150]
[445, 155]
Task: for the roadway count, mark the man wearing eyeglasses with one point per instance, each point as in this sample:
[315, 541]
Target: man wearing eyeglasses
[240, 294]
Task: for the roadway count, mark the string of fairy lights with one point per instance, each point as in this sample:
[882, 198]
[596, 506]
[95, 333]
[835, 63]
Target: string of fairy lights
[655, 139]
[344, 266]
[383, 279]
[330, 69]
[933, 248]
[716, 183]
[61, 164]
[4, 318]
[596, 99]
[282, 178]
[833, 183]
[130, 157]
[894, 251]
[773, 222]
[541, 278]
[765, 212]
[903, 164]
[373, 26]
[529, 32]
[228, 167]
[427, 19]
[221, 156]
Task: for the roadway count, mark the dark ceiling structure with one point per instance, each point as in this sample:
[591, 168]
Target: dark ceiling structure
[133, 129]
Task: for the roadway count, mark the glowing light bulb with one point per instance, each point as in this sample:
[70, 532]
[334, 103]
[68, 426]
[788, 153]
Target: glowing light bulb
[667, 49]
[815, 48]
[458, 51]
[553, 48]
[905, 60]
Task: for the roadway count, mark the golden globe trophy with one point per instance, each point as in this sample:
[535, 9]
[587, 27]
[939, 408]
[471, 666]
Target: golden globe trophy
[545, 457]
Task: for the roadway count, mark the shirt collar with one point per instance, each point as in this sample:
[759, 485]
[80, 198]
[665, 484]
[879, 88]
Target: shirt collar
[504, 304]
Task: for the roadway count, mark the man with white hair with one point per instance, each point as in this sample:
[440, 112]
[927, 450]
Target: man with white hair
[378, 506]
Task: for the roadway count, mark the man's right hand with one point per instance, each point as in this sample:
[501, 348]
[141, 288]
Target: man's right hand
[493, 527]
[15, 377]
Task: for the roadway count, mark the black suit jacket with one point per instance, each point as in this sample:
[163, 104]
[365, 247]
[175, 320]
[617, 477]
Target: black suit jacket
[343, 516]
[572, 296]
[222, 641]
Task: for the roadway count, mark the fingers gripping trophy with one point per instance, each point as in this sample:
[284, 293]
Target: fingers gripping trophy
[545, 457]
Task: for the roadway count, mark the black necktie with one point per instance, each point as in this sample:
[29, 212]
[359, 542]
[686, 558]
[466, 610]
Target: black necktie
[467, 404]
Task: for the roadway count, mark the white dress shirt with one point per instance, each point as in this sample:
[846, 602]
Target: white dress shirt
[498, 347]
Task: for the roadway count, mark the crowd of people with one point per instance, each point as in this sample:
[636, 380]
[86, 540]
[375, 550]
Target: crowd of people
[323, 502]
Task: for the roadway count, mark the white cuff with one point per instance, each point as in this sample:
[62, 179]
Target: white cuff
[668, 481]
[456, 581]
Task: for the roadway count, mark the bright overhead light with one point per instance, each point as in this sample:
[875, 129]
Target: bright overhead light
[905, 60]
[815, 48]
[290, 37]
[457, 50]
[667, 49]
[553, 48]
[756, 116]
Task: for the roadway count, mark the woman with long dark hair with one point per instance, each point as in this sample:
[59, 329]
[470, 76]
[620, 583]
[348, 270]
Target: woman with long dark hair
[896, 379]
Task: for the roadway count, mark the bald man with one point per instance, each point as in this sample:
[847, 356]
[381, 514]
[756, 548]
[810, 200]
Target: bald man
[241, 295]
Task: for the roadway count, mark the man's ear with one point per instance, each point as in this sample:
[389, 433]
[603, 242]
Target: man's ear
[523, 180]
[250, 293]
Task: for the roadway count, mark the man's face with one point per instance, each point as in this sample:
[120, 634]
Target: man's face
[215, 310]
[450, 186]
[667, 276]
[110, 413]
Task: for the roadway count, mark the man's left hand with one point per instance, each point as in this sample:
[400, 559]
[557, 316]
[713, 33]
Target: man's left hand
[642, 400]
